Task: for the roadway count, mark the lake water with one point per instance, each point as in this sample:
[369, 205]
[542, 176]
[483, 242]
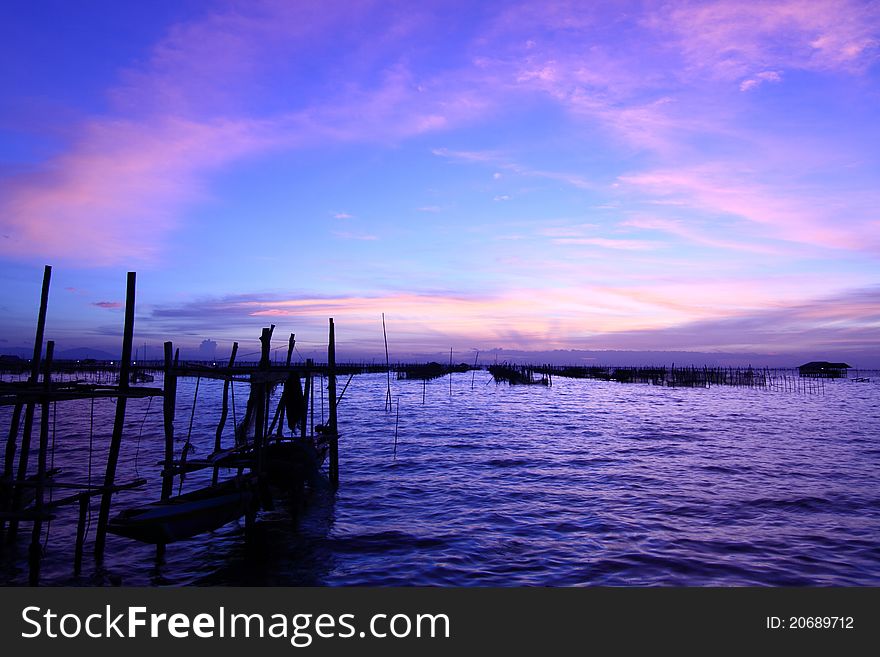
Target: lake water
[579, 484]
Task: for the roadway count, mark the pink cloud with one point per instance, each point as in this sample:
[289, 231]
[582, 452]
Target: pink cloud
[785, 213]
[605, 243]
[730, 39]
[760, 78]
[689, 233]
[108, 304]
[116, 193]
[655, 314]
[123, 184]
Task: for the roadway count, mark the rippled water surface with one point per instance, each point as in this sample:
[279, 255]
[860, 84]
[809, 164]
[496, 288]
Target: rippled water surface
[582, 483]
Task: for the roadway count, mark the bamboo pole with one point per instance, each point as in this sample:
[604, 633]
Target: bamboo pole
[35, 552]
[119, 420]
[331, 393]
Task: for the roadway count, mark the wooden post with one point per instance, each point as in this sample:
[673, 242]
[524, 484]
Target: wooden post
[474, 373]
[15, 502]
[224, 412]
[304, 418]
[261, 388]
[310, 367]
[450, 371]
[119, 420]
[80, 533]
[35, 551]
[169, 403]
[6, 488]
[387, 368]
[291, 343]
[331, 393]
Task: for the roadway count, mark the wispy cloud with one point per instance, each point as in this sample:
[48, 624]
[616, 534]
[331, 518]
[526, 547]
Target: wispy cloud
[729, 39]
[787, 214]
[108, 304]
[126, 178]
[607, 243]
[363, 237]
[671, 317]
[759, 79]
[702, 237]
[846, 322]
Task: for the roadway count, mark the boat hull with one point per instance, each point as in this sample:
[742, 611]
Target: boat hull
[184, 516]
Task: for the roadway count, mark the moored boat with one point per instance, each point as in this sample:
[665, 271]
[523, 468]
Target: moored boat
[185, 515]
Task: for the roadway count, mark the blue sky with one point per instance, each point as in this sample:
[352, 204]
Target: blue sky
[647, 176]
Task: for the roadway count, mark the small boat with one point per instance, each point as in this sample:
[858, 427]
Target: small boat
[185, 515]
[861, 379]
[141, 377]
[290, 463]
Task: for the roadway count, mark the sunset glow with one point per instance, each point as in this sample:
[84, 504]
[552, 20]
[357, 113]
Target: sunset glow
[690, 176]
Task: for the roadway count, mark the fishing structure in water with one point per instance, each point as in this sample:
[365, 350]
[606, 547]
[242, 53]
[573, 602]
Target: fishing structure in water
[264, 461]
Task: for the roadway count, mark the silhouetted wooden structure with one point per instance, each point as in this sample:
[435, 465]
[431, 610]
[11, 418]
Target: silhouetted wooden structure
[822, 369]
[262, 456]
[519, 375]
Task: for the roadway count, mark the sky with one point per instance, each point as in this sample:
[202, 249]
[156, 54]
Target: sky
[646, 176]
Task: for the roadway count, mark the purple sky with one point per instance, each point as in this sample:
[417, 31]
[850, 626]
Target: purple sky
[535, 175]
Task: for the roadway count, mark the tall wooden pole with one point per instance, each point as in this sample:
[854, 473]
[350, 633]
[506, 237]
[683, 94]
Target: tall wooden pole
[331, 393]
[387, 367]
[119, 421]
[15, 501]
[291, 344]
[450, 371]
[169, 402]
[224, 412]
[35, 551]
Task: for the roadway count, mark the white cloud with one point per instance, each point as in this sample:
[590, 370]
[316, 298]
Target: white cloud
[760, 78]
